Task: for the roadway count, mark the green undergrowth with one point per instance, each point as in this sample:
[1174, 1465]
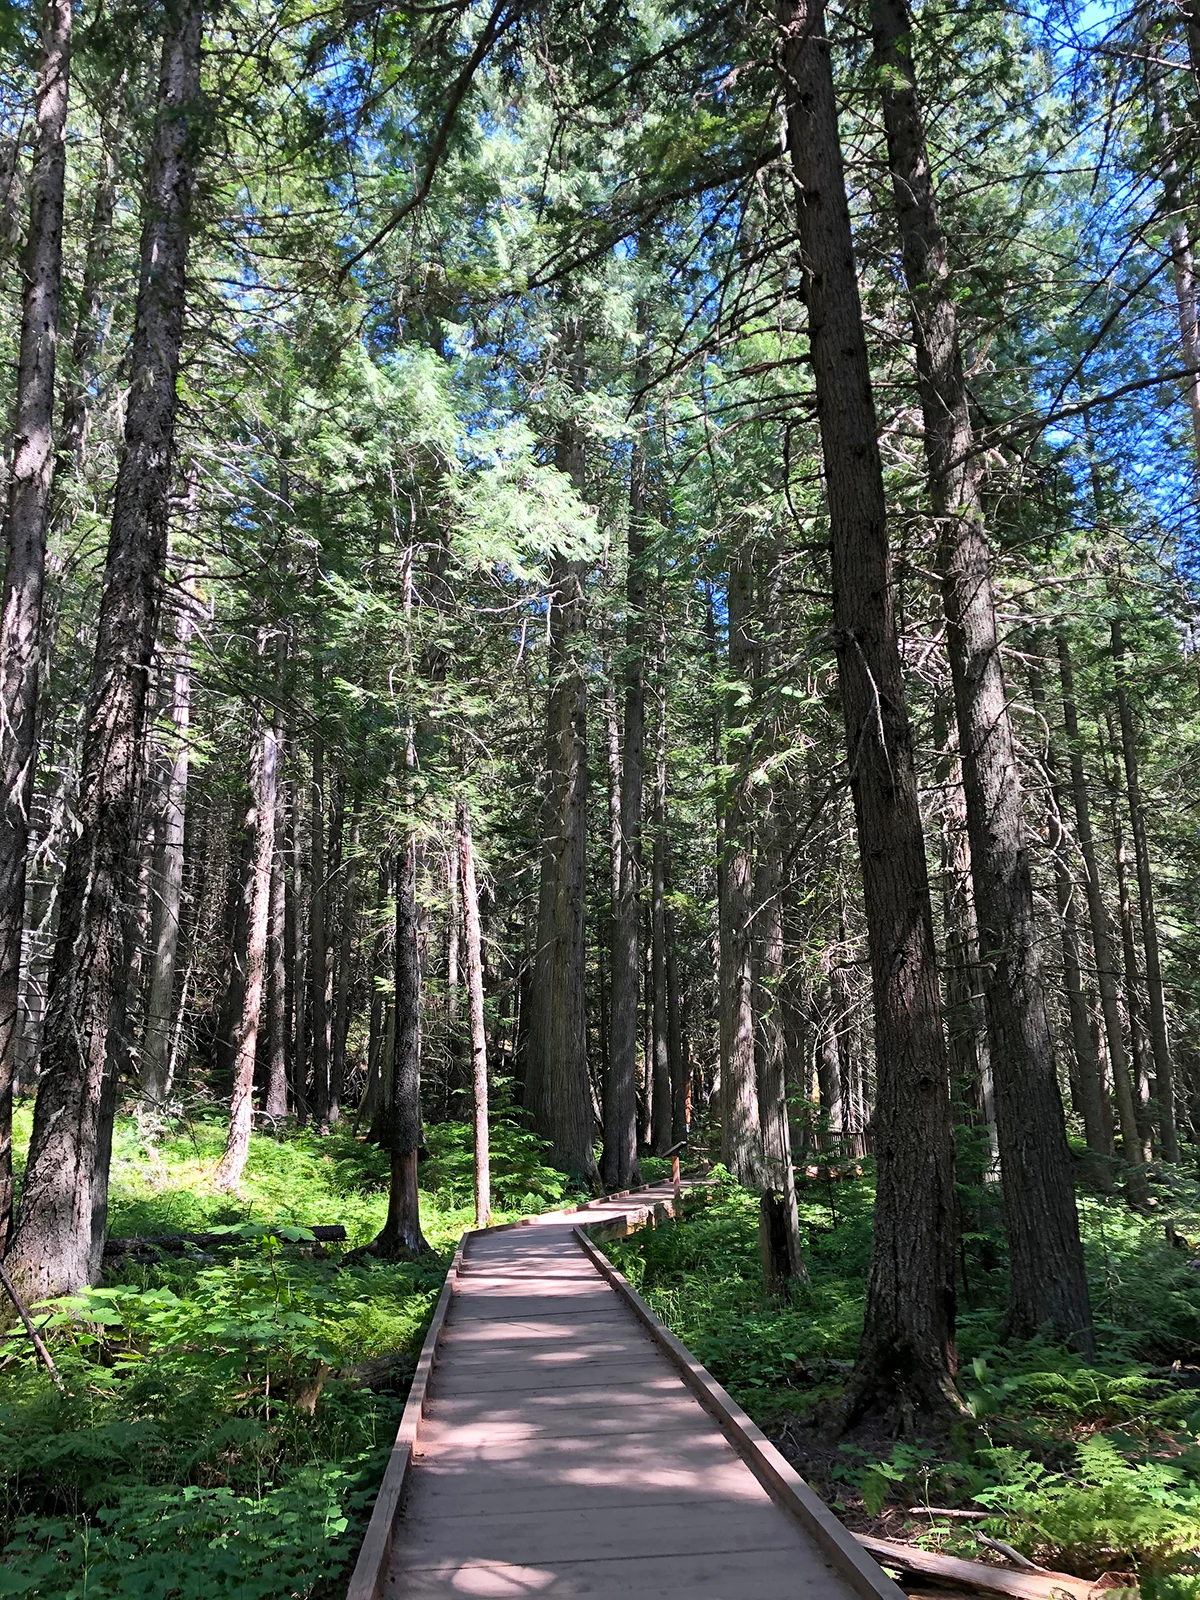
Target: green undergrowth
[1088, 1466]
[228, 1413]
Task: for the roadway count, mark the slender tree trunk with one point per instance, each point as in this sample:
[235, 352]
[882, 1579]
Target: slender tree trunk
[380, 961]
[345, 965]
[1138, 1043]
[25, 539]
[662, 1134]
[59, 1236]
[557, 1052]
[1048, 1278]
[479, 1071]
[907, 1352]
[779, 1220]
[318, 955]
[454, 967]
[296, 946]
[741, 1134]
[1160, 1046]
[619, 1162]
[1107, 980]
[261, 823]
[168, 870]
[401, 1238]
[276, 1102]
[1087, 1064]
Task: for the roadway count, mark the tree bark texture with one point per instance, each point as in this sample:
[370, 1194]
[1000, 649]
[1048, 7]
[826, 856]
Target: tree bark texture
[60, 1229]
[1048, 1279]
[25, 538]
[261, 822]
[479, 1069]
[275, 1104]
[907, 1352]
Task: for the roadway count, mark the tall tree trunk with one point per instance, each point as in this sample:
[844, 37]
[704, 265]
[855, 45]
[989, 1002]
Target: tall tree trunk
[25, 540]
[664, 1109]
[619, 1161]
[168, 868]
[295, 950]
[907, 1351]
[345, 966]
[479, 1071]
[1048, 1278]
[741, 1134]
[1160, 1046]
[59, 1236]
[275, 1104]
[261, 823]
[1138, 1042]
[1107, 979]
[401, 1238]
[1087, 1064]
[318, 939]
[557, 1050]
[779, 1220]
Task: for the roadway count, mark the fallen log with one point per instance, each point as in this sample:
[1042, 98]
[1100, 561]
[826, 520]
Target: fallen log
[177, 1243]
[977, 1575]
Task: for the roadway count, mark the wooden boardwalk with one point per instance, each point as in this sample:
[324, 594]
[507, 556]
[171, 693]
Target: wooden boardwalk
[560, 1451]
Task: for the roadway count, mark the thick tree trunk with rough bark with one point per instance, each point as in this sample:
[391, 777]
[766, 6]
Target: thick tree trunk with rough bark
[1048, 1279]
[167, 877]
[261, 823]
[25, 539]
[907, 1353]
[663, 1101]
[479, 1070]
[1107, 976]
[60, 1228]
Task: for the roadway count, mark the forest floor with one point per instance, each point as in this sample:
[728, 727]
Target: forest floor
[227, 1414]
[1085, 1466]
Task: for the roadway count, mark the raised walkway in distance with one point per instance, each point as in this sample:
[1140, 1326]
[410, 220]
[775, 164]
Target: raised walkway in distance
[559, 1441]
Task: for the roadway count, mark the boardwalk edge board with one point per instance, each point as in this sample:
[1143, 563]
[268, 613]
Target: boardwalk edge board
[373, 1556]
[773, 1471]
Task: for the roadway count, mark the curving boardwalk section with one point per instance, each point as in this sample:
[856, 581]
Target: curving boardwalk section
[563, 1449]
